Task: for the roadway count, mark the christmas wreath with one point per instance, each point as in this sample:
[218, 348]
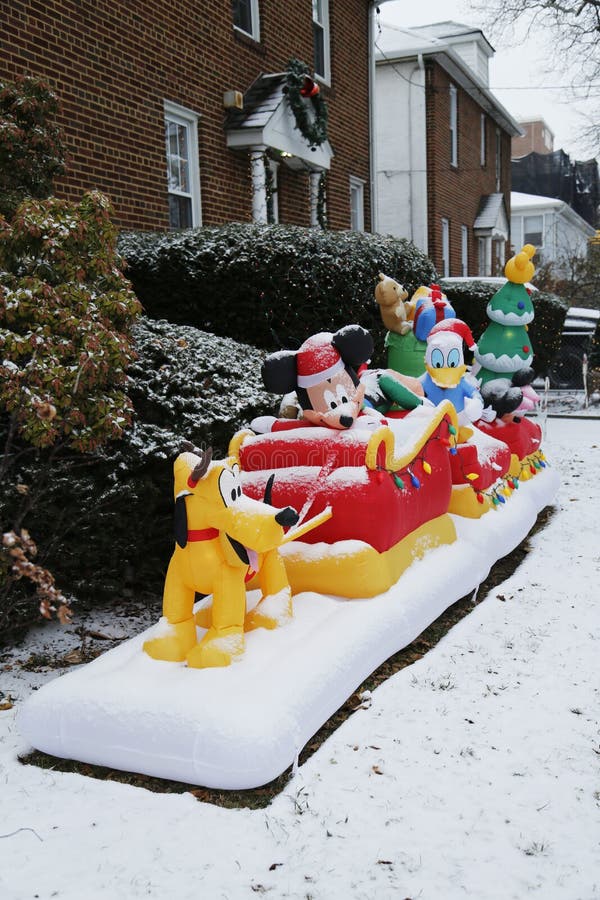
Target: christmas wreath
[298, 88]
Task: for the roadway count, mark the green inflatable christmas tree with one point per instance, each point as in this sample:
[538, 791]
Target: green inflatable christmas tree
[504, 347]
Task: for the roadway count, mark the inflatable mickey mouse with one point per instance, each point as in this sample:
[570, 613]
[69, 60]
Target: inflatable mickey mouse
[323, 373]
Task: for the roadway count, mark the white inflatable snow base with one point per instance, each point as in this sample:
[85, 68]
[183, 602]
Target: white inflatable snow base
[242, 726]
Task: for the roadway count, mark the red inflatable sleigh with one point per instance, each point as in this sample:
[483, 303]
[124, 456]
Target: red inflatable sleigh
[388, 491]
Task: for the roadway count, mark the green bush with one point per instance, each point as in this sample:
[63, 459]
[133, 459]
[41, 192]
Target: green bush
[65, 316]
[103, 521]
[31, 149]
[470, 299]
[269, 286]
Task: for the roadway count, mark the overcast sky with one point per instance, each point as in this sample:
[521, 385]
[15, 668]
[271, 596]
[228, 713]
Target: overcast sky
[518, 75]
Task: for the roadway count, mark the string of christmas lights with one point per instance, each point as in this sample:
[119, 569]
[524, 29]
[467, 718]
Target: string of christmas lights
[497, 494]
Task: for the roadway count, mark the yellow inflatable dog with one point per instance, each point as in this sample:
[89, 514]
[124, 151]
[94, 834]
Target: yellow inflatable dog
[223, 538]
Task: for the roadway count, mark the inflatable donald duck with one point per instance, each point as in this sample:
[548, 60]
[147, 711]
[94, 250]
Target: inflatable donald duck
[445, 376]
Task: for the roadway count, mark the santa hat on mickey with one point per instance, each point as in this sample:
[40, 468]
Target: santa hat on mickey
[451, 333]
[317, 360]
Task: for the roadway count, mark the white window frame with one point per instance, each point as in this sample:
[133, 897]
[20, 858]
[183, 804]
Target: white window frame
[189, 119]
[464, 250]
[357, 211]
[446, 248]
[453, 126]
[321, 20]
[254, 32]
[482, 140]
[498, 158]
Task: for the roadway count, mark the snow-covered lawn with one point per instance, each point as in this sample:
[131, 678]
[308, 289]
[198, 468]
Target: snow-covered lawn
[473, 773]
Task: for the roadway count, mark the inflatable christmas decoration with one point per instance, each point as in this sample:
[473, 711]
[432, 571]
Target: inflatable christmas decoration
[323, 374]
[222, 539]
[374, 524]
[406, 339]
[445, 376]
[390, 295]
[504, 353]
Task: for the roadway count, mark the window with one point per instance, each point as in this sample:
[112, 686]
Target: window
[498, 158]
[183, 178]
[357, 204]
[320, 14]
[533, 230]
[516, 233]
[485, 256]
[499, 256]
[482, 145]
[445, 247]
[453, 126]
[245, 17]
[464, 251]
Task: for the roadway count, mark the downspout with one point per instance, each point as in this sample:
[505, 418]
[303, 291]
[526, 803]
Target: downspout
[419, 67]
[373, 7]
[373, 10]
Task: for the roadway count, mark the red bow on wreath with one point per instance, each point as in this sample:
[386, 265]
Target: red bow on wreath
[309, 88]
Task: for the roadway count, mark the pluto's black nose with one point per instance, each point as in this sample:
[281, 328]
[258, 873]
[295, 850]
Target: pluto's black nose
[287, 516]
[346, 421]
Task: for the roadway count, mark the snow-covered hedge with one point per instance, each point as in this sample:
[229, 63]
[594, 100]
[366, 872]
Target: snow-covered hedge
[269, 286]
[104, 520]
[470, 298]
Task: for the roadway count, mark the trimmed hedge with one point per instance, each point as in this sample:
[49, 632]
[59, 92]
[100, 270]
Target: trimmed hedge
[272, 285]
[269, 286]
[470, 299]
[103, 522]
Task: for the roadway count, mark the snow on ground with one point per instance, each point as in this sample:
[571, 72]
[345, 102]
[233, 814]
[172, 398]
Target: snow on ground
[474, 773]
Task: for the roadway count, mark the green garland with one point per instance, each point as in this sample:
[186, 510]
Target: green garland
[321, 199]
[315, 131]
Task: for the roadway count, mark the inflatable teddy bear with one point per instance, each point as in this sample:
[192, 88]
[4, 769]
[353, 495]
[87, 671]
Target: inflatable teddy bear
[390, 296]
[406, 348]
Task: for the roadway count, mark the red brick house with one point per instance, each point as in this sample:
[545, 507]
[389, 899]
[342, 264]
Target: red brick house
[153, 87]
[443, 147]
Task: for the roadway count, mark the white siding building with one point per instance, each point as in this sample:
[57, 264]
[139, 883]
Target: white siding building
[551, 225]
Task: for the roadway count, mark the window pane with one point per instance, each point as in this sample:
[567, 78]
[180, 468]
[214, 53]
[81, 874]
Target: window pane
[242, 14]
[446, 247]
[453, 126]
[482, 147]
[533, 230]
[357, 219]
[319, 49]
[177, 146]
[317, 6]
[180, 211]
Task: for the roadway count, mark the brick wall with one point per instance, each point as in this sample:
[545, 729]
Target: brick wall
[113, 64]
[537, 138]
[454, 192]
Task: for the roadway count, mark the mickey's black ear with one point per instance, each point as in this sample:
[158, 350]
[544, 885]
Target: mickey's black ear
[279, 372]
[523, 376]
[180, 522]
[354, 344]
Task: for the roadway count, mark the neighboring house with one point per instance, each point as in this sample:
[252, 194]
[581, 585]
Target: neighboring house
[537, 137]
[150, 88]
[556, 175]
[442, 147]
[550, 225]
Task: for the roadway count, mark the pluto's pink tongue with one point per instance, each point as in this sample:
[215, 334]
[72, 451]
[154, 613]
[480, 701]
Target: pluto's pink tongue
[252, 559]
